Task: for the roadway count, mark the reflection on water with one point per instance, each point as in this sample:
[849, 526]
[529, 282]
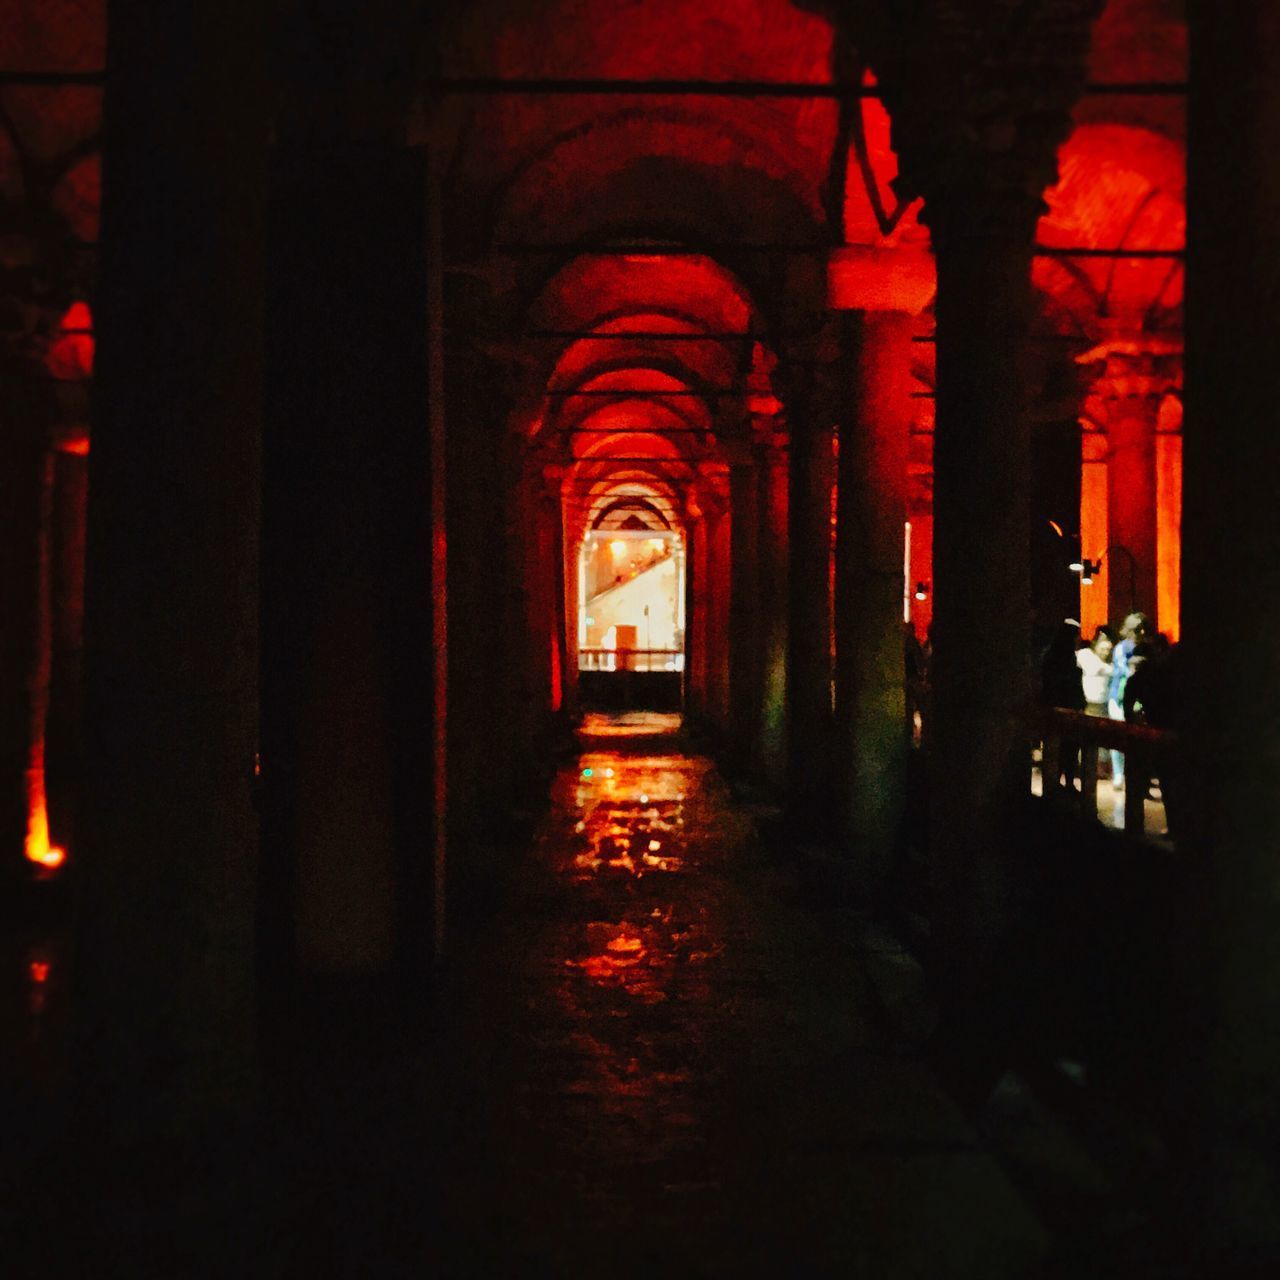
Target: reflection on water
[34, 1014]
[632, 963]
[634, 724]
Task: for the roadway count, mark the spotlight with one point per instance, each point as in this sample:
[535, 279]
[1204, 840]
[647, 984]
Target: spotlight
[922, 590]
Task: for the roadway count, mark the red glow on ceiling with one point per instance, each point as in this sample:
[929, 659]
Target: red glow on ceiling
[1119, 187]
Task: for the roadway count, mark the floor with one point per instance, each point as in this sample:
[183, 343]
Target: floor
[677, 1072]
[1155, 822]
[655, 1057]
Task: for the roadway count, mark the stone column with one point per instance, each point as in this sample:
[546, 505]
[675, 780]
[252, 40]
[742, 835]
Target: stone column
[537, 542]
[717, 528]
[769, 737]
[885, 287]
[982, 692]
[744, 611]
[570, 544]
[1132, 387]
[707, 610]
[870, 713]
[479, 577]
[21, 467]
[348, 618]
[552, 525]
[979, 110]
[695, 611]
[63, 747]
[1230, 771]
[809, 670]
[168, 856]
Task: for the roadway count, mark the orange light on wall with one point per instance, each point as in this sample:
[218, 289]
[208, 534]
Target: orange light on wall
[37, 847]
[619, 548]
[1169, 533]
[1093, 530]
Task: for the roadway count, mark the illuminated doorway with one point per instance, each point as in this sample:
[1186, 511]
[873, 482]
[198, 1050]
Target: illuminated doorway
[631, 618]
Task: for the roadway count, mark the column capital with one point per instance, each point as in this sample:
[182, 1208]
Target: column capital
[1130, 378]
[709, 494]
[768, 435]
[881, 278]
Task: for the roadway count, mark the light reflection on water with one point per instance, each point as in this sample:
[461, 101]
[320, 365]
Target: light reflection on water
[638, 956]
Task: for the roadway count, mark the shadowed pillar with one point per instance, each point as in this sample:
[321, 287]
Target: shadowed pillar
[1230, 621]
[810, 480]
[347, 611]
[979, 110]
[870, 713]
[718, 584]
[870, 737]
[744, 610]
[981, 668]
[769, 755]
[708, 600]
[169, 842]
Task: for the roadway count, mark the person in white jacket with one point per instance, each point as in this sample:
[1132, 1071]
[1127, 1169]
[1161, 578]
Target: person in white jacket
[1094, 662]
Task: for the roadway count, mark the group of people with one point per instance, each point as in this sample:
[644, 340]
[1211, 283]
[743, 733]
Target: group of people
[1126, 676]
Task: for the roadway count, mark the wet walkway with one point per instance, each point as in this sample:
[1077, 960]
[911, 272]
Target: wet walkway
[672, 1070]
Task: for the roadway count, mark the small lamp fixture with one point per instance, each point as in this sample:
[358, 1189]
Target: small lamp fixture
[1087, 570]
[922, 591]
[1077, 555]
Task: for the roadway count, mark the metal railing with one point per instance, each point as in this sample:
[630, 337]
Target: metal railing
[630, 659]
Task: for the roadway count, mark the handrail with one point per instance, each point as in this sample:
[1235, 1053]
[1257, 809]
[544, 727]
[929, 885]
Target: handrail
[628, 649]
[1144, 747]
[1115, 734]
[621, 659]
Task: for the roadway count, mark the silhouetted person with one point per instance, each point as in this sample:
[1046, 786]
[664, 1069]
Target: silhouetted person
[1060, 677]
[1060, 686]
[1152, 697]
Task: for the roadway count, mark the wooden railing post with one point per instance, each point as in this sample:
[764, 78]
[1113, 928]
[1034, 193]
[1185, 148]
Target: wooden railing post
[1145, 749]
[1137, 777]
[1089, 778]
[1051, 762]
